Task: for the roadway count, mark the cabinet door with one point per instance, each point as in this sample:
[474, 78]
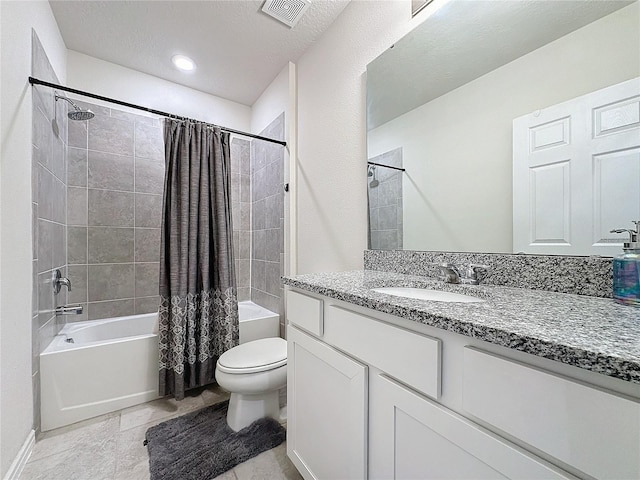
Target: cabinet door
[327, 410]
[411, 437]
[594, 431]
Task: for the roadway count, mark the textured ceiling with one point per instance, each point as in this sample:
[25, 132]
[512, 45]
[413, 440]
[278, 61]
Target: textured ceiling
[238, 49]
[464, 40]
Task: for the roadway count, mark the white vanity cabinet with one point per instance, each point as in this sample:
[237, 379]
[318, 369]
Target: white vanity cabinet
[375, 396]
[327, 409]
[412, 437]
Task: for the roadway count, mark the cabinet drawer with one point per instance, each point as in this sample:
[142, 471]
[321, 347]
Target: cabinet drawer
[410, 357]
[594, 431]
[305, 312]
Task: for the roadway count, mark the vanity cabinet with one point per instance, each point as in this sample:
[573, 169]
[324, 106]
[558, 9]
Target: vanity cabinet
[596, 431]
[412, 437]
[327, 409]
[371, 395]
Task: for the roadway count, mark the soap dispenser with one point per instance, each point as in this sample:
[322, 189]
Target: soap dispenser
[626, 269]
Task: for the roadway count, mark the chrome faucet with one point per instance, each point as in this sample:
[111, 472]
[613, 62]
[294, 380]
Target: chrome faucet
[59, 281]
[473, 273]
[73, 309]
[450, 273]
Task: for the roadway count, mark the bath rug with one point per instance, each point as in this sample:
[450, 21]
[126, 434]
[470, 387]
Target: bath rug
[200, 445]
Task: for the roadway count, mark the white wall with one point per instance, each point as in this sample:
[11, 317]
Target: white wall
[278, 97]
[332, 216]
[272, 102]
[16, 21]
[110, 80]
[457, 149]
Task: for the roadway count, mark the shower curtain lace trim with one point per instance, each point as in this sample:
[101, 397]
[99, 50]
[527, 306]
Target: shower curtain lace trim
[210, 313]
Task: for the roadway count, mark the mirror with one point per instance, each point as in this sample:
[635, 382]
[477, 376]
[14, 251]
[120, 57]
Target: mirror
[418, 5]
[441, 104]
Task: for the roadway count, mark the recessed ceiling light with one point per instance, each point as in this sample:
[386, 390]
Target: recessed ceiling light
[183, 63]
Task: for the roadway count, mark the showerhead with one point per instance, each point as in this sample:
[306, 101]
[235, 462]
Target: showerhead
[372, 173]
[77, 113]
[81, 115]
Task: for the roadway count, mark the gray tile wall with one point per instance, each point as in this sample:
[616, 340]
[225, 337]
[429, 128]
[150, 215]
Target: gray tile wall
[241, 213]
[267, 219]
[385, 203]
[114, 207]
[49, 137]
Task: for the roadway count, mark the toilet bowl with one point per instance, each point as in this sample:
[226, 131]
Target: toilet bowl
[253, 372]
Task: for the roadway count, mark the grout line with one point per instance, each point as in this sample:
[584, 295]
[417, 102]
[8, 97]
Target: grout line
[135, 268]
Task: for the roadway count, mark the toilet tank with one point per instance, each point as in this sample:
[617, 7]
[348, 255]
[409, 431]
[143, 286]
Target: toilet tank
[257, 322]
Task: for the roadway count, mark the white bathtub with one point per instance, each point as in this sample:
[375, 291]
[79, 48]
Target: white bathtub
[257, 322]
[113, 364]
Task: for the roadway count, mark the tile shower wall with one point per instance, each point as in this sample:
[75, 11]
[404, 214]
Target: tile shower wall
[267, 218]
[114, 208]
[241, 213]
[49, 212]
[385, 202]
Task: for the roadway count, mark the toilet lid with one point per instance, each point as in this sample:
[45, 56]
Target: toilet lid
[256, 356]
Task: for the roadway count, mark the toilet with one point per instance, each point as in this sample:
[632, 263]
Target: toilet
[253, 372]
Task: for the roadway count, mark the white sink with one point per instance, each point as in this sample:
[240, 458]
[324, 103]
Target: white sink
[426, 294]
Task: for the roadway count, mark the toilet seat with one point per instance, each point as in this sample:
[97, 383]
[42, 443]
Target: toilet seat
[253, 357]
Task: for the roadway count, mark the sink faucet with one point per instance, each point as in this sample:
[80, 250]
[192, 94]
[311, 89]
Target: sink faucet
[473, 273]
[450, 273]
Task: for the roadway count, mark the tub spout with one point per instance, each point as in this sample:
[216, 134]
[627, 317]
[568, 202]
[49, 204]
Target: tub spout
[75, 309]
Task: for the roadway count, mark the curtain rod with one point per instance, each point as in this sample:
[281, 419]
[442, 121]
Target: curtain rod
[387, 166]
[35, 81]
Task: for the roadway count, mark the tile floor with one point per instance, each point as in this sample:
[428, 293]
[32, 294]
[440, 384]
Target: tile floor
[110, 446]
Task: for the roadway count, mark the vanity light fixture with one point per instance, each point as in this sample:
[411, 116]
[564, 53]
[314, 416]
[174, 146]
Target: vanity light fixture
[183, 63]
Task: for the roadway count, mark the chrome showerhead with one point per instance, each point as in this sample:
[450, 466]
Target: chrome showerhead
[81, 115]
[77, 113]
[372, 173]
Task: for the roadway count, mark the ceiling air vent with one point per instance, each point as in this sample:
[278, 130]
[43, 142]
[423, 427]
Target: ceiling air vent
[286, 11]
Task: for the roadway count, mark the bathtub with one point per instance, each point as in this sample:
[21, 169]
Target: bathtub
[257, 322]
[113, 363]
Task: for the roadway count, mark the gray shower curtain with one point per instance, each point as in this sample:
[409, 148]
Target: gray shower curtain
[198, 315]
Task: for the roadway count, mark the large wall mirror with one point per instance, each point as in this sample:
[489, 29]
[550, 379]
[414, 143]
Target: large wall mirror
[441, 105]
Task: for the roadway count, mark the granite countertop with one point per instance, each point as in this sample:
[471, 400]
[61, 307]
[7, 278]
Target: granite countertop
[588, 332]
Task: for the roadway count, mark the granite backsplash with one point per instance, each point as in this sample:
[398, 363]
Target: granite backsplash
[555, 273]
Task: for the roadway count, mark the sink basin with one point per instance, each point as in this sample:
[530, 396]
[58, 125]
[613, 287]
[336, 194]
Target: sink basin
[426, 294]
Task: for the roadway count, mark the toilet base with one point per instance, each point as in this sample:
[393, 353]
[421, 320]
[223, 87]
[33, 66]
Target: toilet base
[244, 409]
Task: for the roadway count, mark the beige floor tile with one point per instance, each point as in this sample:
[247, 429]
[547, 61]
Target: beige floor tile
[131, 451]
[270, 465]
[161, 409]
[87, 435]
[214, 394]
[139, 471]
[228, 475]
[111, 446]
[92, 462]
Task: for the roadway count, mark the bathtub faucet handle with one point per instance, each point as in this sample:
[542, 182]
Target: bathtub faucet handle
[59, 280]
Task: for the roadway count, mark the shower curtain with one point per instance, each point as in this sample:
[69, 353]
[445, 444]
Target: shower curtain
[198, 315]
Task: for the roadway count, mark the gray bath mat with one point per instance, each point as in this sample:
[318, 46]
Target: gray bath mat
[200, 445]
